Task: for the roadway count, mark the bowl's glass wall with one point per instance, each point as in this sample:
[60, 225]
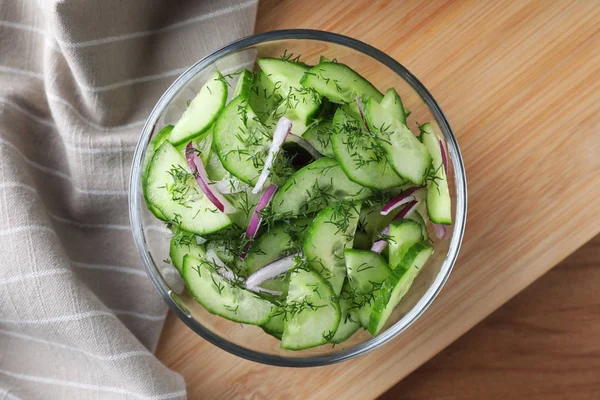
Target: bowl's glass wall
[251, 341]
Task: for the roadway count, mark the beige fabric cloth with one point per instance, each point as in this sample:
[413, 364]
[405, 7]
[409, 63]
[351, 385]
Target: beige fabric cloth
[79, 319]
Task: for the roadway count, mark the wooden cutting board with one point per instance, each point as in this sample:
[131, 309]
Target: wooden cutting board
[520, 84]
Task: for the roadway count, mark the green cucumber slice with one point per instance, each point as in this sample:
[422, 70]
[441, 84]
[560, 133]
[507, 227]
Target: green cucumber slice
[397, 285]
[171, 188]
[404, 233]
[219, 296]
[182, 244]
[339, 83]
[349, 322]
[360, 155]
[241, 141]
[314, 187]
[202, 112]
[319, 136]
[331, 232]
[154, 144]
[417, 217]
[393, 104]
[438, 195]
[278, 242]
[274, 326]
[263, 96]
[406, 154]
[215, 169]
[244, 202]
[286, 76]
[244, 85]
[312, 311]
[366, 272]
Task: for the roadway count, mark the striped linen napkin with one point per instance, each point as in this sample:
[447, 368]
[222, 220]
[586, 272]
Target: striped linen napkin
[79, 319]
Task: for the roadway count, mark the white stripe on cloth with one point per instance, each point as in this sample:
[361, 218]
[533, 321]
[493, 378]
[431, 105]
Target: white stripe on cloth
[34, 275]
[113, 268]
[87, 386]
[20, 71]
[158, 228]
[135, 314]
[7, 395]
[27, 228]
[135, 35]
[82, 315]
[51, 123]
[23, 27]
[92, 124]
[108, 357]
[62, 175]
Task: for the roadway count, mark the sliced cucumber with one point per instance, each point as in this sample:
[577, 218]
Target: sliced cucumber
[312, 311]
[404, 233]
[438, 194]
[263, 97]
[407, 155]
[182, 244]
[397, 285]
[241, 141]
[219, 296]
[202, 112]
[324, 59]
[393, 104]
[171, 188]
[314, 187]
[349, 322]
[417, 217]
[286, 76]
[339, 83]
[154, 144]
[319, 136]
[366, 271]
[278, 242]
[274, 326]
[215, 169]
[244, 85]
[331, 232]
[360, 155]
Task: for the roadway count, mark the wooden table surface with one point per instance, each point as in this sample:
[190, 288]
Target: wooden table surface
[520, 84]
[541, 345]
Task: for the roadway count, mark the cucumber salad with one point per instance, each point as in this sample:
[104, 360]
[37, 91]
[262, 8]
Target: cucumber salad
[299, 199]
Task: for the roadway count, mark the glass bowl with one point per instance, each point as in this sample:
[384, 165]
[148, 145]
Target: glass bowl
[152, 238]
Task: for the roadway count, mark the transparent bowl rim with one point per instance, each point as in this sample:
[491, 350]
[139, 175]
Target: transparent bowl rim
[135, 202]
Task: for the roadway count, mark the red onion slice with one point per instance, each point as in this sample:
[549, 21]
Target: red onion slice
[410, 207]
[443, 151]
[222, 269]
[440, 230]
[197, 168]
[256, 218]
[381, 244]
[284, 126]
[361, 112]
[271, 271]
[401, 199]
[305, 145]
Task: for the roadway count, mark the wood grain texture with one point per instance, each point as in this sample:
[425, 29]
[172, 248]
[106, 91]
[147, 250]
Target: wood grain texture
[520, 84]
[541, 345]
